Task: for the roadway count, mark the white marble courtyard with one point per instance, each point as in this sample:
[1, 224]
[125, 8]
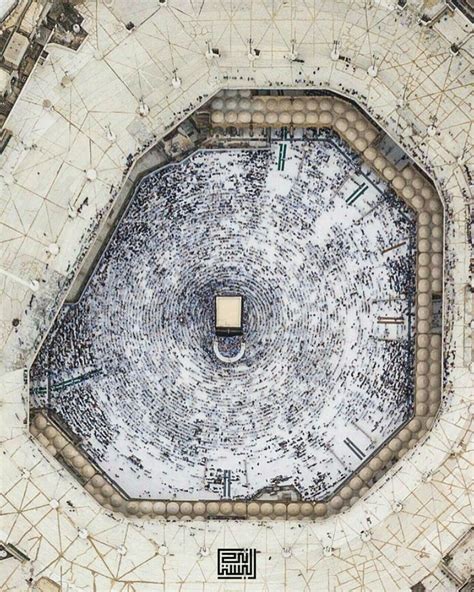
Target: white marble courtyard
[324, 381]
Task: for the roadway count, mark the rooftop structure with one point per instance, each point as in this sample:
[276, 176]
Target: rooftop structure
[15, 50]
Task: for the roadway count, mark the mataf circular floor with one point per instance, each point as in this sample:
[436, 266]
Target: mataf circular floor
[323, 253]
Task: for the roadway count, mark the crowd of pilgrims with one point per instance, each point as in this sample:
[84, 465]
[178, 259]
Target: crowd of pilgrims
[149, 400]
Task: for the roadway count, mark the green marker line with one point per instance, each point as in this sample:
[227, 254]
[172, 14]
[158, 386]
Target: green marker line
[354, 196]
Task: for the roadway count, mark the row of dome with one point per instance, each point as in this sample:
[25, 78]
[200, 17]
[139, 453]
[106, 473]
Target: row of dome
[420, 195]
[108, 496]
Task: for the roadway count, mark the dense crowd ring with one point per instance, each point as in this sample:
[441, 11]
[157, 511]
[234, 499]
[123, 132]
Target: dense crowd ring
[323, 382]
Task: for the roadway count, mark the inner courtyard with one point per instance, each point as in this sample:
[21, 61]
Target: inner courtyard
[323, 253]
